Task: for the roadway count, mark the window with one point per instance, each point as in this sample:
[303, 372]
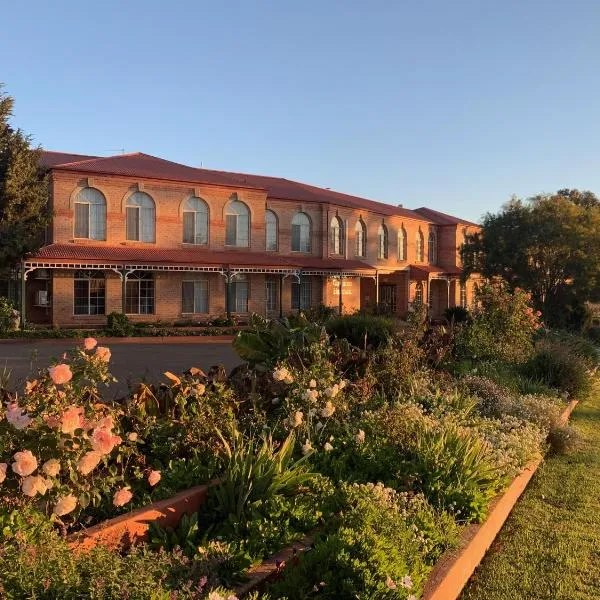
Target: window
[271, 230]
[432, 248]
[337, 236]
[239, 294]
[463, 295]
[402, 243]
[301, 233]
[90, 214]
[420, 244]
[271, 292]
[89, 293]
[302, 294]
[382, 238]
[139, 294]
[195, 221]
[419, 293]
[141, 214]
[237, 224]
[360, 231]
[194, 295]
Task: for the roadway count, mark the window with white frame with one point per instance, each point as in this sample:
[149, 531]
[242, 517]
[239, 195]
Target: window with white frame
[194, 296]
[420, 246]
[419, 293]
[432, 248]
[237, 224]
[89, 297]
[141, 217]
[302, 294]
[239, 294]
[336, 236]
[463, 294]
[195, 221]
[272, 294]
[139, 294]
[301, 233]
[360, 232]
[402, 243]
[271, 230]
[382, 239]
[90, 214]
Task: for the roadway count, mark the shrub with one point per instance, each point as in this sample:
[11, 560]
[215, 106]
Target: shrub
[381, 546]
[502, 327]
[493, 398]
[457, 314]
[9, 317]
[362, 330]
[320, 314]
[594, 334]
[118, 324]
[557, 366]
[563, 439]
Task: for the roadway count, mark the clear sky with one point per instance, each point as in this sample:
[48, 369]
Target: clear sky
[451, 104]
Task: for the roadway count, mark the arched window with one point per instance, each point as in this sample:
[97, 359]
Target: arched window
[420, 246]
[337, 236]
[301, 233]
[432, 248]
[382, 239]
[90, 214]
[195, 221]
[360, 231]
[271, 230]
[402, 243]
[237, 224]
[419, 293]
[141, 214]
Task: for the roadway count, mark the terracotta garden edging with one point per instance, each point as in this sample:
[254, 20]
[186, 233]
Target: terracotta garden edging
[452, 571]
[133, 527]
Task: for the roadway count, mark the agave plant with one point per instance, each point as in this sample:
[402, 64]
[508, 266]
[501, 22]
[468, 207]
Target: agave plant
[257, 470]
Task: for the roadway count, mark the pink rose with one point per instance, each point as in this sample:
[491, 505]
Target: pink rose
[104, 441]
[90, 343]
[72, 419]
[103, 353]
[35, 484]
[52, 421]
[51, 467]
[3, 467]
[16, 417]
[122, 497]
[60, 374]
[88, 462]
[25, 463]
[154, 477]
[65, 505]
[106, 423]
[132, 437]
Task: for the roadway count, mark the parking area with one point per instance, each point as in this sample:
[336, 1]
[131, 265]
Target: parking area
[130, 362]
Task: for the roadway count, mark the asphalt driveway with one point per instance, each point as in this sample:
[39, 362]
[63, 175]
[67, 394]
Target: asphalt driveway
[130, 362]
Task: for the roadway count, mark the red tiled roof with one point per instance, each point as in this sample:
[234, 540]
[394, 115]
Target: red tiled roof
[67, 253]
[145, 165]
[422, 271]
[51, 158]
[442, 218]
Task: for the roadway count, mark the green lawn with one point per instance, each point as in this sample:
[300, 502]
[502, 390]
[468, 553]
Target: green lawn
[549, 547]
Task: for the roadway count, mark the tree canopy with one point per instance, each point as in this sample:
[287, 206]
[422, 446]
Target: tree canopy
[548, 245]
[23, 191]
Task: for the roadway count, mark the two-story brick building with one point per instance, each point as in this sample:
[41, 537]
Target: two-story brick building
[161, 240]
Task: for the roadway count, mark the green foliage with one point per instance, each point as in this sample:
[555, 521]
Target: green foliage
[362, 330]
[269, 341]
[502, 327]
[557, 366]
[320, 314]
[23, 192]
[563, 440]
[118, 324]
[457, 314]
[547, 246]
[9, 317]
[256, 471]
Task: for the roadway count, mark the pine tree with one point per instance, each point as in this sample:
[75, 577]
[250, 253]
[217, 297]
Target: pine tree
[24, 212]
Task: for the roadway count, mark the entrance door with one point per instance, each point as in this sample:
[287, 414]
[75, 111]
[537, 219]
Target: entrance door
[387, 297]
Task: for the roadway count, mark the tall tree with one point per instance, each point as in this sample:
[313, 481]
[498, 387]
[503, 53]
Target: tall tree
[23, 191]
[548, 245]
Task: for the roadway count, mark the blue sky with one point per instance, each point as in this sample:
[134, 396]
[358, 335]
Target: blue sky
[454, 105]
